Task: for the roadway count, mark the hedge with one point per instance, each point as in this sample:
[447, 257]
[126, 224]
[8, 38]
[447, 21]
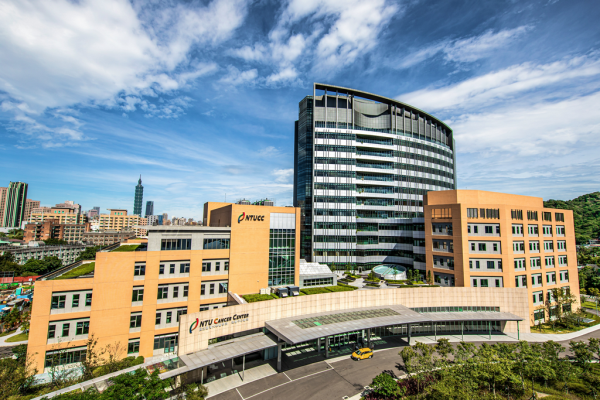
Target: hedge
[253, 298]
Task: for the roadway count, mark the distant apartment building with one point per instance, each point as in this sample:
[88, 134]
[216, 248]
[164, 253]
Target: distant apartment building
[70, 204]
[93, 213]
[149, 208]
[14, 205]
[152, 219]
[107, 238]
[65, 215]
[139, 198]
[485, 239]
[66, 253]
[3, 191]
[178, 221]
[119, 220]
[30, 205]
[53, 229]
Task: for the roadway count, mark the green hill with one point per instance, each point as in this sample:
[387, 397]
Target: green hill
[586, 213]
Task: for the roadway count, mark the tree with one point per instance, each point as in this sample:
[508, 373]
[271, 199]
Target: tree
[594, 346]
[583, 354]
[16, 375]
[137, 385]
[90, 253]
[16, 234]
[429, 278]
[385, 386]
[444, 349]
[55, 242]
[563, 300]
[7, 263]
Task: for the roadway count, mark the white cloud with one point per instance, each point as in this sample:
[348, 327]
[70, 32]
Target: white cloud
[268, 152]
[341, 32]
[283, 175]
[60, 53]
[464, 50]
[236, 77]
[505, 84]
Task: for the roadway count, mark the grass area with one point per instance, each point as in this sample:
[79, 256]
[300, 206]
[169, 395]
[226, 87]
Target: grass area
[81, 270]
[372, 284]
[590, 304]
[127, 247]
[547, 328]
[327, 289]
[8, 333]
[18, 338]
[253, 298]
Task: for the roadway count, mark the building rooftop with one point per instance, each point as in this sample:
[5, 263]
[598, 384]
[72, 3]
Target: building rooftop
[313, 268]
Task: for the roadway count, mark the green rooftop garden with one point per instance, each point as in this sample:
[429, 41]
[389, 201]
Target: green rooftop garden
[127, 247]
[75, 272]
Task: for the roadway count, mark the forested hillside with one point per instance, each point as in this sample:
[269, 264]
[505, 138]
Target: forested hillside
[586, 212]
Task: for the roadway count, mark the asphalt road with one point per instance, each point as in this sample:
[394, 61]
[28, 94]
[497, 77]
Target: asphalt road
[323, 380]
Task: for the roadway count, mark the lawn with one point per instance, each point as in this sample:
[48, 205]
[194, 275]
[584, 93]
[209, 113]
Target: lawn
[547, 328]
[8, 333]
[590, 304]
[81, 270]
[253, 298]
[129, 247]
[18, 338]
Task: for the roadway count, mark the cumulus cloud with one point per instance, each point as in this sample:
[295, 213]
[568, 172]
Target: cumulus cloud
[61, 53]
[283, 175]
[236, 77]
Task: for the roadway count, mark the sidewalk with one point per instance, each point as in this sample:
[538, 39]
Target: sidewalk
[3, 339]
[235, 381]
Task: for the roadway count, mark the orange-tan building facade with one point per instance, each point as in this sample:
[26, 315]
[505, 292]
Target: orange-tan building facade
[486, 239]
[135, 298]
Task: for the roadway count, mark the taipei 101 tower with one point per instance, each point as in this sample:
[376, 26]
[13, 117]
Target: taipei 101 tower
[139, 196]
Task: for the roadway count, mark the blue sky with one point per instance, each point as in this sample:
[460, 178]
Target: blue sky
[200, 97]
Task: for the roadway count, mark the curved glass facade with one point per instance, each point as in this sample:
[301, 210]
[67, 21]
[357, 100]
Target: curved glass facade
[362, 165]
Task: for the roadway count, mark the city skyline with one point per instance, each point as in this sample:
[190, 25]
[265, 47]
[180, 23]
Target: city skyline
[208, 112]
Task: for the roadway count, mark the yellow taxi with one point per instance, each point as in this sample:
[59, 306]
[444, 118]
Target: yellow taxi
[362, 354]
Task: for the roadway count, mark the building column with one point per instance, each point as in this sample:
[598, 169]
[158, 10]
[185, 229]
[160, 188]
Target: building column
[369, 338]
[409, 333]
[326, 346]
[279, 345]
[318, 345]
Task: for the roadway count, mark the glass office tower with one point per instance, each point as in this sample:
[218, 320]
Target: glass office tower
[362, 164]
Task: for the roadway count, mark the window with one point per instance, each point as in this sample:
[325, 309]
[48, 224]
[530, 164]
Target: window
[75, 302]
[185, 290]
[161, 269]
[441, 213]
[560, 230]
[205, 267]
[58, 302]
[212, 288]
[51, 331]
[491, 265]
[176, 244]
[547, 216]
[471, 213]
[83, 328]
[222, 288]
[477, 264]
[226, 265]
[559, 217]
[535, 262]
[484, 283]
[472, 246]
[547, 230]
[88, 299]
[519, 263]
[181, 312]
[489, 229]
[534, 245]
[65, 330]
[482, 246]
[172, 269]
[184, 268]
[475, 229]
[495, 246]
[532, 215]
[63, 357]
[158, 318]
[549, 261]
[135, 321]
[133, 347]
[138, 294]
[562, 260]
[202, 290]
[169, 317]
[533, 230]
[139, 270]
[536, 280]
[521, 281]
[561, 245]
[539, 315]
[538, 297]
[551, 278]
[518, 246]
[175, 292]
[318, 282]
[215, 244]
[564, 276]
[163, 292]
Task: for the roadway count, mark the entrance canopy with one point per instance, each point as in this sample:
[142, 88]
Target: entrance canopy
[300, 329]
[223, 351]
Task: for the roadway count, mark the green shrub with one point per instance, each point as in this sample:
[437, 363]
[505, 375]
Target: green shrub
[578, 388]
[341, 288]
[253, 298]
[315, 290]
[396, 282]
[372, 284]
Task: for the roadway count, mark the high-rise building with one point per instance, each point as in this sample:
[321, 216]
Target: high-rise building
[94, 212]
[30, 205]
[14, 207]
[2, 204]
[149, 208]
[64, 215]
[139, 198]
[362, 164]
